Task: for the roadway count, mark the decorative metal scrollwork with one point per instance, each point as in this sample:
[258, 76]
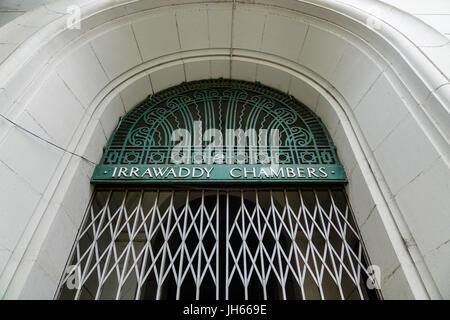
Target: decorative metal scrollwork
[144, 134]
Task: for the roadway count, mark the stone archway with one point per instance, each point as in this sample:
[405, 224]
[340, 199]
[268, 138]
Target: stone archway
[96, 90]
[273, 221]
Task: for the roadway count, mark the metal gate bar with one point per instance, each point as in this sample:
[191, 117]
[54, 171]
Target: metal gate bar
[217, 244]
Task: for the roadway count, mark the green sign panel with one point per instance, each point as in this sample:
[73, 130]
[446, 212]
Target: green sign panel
[220, 131]
[219, 173]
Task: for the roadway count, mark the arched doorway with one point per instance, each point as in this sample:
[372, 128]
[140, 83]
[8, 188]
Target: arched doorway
[195, 199]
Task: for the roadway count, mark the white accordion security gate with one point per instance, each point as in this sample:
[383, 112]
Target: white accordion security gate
[217, 244]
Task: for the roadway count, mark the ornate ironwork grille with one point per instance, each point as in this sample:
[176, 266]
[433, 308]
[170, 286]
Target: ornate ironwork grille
[217, 244]
[144, 137]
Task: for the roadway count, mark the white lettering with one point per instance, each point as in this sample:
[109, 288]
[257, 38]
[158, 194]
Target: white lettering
[123, 171]
[301, 172]
[234, 175]
[290, 172]
[322, 170]
[147, 172]
[134, 172]
[246, 171]
[263, 171]
[208, 172]
[193, 172]
[159, 172]
[312, 172]
[276, 173]
[180, 175]
[171, 172]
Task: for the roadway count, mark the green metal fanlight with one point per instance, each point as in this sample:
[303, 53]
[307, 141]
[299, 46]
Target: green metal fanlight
[230, 126]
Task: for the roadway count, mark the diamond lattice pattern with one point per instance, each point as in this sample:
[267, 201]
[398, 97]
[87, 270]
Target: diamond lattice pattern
[217, 244]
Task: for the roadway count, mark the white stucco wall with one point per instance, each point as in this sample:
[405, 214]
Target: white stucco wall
[382, 91]
[435, 13]
[11, 9]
